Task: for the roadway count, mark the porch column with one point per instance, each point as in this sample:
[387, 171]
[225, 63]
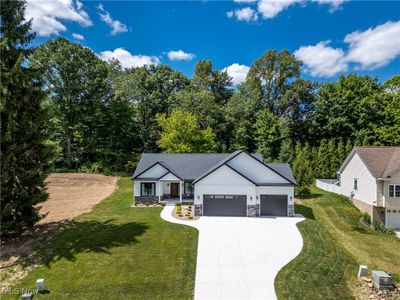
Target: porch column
[180, 191]
[159, 191]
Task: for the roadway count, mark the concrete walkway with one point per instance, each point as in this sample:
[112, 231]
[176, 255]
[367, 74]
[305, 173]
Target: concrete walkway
[239, 257]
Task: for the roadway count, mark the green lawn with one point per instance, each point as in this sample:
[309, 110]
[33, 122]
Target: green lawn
[119, 252]
[335, 243]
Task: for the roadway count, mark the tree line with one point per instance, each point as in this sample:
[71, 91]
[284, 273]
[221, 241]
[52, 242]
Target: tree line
[63, 107]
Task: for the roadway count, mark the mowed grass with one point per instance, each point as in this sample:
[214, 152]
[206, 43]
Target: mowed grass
[335, 244]
[118, 252]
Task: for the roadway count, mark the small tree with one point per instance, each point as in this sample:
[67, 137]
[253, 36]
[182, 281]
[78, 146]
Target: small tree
[181, 133]
[303, 173]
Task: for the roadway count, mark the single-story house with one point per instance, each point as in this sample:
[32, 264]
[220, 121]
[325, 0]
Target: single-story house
[370, 176]
[219, 184]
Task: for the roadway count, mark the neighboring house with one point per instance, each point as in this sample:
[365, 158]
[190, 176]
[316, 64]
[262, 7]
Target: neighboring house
[236, 184]
[370, 176]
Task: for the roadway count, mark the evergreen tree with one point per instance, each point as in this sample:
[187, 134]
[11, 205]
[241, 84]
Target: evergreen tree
[303, 173]
[25, 155]
[331, 163]
[323, 160]
[286, 153]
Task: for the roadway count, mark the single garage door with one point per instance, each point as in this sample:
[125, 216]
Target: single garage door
[393, 218]
[224, 205]
[273, 205]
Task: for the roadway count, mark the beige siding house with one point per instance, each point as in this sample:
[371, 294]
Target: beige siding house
[370, 177]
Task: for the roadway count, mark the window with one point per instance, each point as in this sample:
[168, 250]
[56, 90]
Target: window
[188, 187]
[148, 189]
[394, 190]
[355, 184]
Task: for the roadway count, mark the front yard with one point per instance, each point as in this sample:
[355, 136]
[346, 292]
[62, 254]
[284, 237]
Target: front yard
[335, 243]
[118, 252]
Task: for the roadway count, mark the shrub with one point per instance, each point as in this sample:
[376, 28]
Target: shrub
[366, 218]
[381, 227]
[180, 215]
[178, 204]
[190, 218]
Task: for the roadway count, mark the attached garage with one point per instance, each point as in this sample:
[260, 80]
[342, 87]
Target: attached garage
[225, 205]
[393, 218]
[273, 205]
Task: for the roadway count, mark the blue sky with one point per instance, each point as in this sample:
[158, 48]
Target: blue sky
[331, 37]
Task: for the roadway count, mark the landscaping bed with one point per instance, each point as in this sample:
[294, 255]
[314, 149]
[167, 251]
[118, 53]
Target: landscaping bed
[184, 212]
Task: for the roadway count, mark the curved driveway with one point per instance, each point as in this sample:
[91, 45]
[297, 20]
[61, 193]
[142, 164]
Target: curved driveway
[238, 257]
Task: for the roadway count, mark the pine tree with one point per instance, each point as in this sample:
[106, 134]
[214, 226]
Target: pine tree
[303, 173]
[286, 153]
[332, 154]
[24, 153]
[323, 160]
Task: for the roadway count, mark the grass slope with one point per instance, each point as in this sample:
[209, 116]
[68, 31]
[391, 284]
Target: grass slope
[119, 252]
[335, 243]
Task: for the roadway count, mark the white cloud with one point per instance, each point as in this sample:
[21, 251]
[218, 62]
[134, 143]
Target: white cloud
[116, 26]
[334, 4]
[180, 55]
[246, 14]
[321, 60]
[375, 47]
[369, 49]
[48, 15]
[78, 36]
[237, 72]
[270, 9]
[129, 60]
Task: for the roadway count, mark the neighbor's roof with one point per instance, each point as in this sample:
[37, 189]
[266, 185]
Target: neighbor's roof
[380, 161]
[188, 166]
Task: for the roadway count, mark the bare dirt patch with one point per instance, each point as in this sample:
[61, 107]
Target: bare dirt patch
[70, 195]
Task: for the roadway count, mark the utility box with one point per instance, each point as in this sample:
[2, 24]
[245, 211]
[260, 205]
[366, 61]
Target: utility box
[362, 271]
[40, 285]
[382, 280]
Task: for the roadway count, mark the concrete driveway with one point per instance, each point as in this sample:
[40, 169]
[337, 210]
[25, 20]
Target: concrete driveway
[239, 258]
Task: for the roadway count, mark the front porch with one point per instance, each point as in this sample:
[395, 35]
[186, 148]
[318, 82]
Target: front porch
[160, 191]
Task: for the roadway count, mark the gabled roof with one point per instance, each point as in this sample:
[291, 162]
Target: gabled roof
[380, 161]
[195, 166]
[187, 166]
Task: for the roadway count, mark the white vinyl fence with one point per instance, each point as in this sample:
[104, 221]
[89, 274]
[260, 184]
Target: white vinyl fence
[330, 185]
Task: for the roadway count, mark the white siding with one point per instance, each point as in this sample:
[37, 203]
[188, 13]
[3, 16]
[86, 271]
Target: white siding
[367, 188]
[169, 177]
[255, 170]
[136, 188]
[154, 172]
[224, 181]
[165, 188]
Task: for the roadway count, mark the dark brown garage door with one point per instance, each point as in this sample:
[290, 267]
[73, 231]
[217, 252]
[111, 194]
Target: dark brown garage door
[224, 205]
[274, 205]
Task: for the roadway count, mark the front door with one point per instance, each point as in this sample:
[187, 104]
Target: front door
[174, 189]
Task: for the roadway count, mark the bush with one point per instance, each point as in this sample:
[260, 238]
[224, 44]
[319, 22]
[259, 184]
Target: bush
[180, 215]
[190, 218]
[381, 227]
[366, 218]
[178, 204]
[302, 191]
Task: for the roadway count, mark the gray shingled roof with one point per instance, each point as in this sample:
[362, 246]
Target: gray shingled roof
[190, 166]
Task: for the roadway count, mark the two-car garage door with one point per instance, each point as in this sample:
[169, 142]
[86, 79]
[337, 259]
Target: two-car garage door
[236, 205]
[224, 205]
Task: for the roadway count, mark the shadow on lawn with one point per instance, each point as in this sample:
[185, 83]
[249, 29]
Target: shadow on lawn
[90, 236]
[306, 211]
